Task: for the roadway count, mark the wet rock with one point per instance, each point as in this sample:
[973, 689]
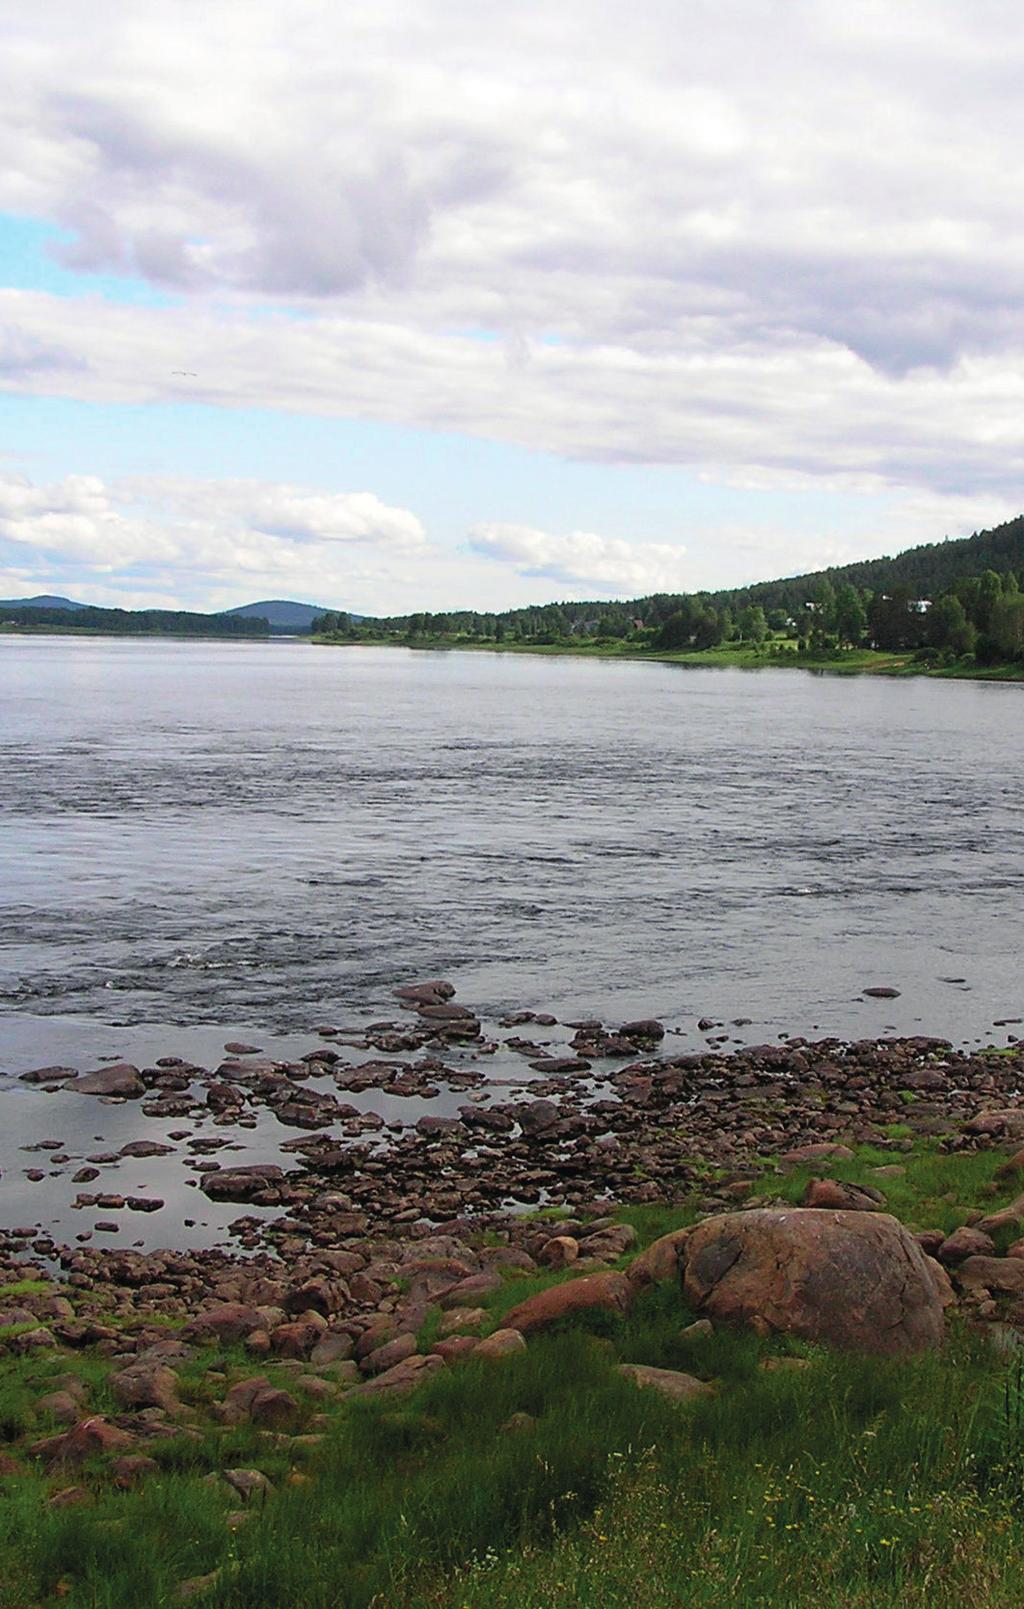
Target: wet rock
[119, 1079]
[47, 1075]
[881, 992]
[537, 1117]
[433, 992]
[649, 1028]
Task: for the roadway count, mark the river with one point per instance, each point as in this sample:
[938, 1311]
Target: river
[259, 836]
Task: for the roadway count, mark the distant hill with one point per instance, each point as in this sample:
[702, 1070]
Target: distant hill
[42, 601]
[282, 614]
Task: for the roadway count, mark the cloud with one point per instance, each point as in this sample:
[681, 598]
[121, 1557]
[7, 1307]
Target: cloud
[765, 243]
[173, 537]
[584, 559]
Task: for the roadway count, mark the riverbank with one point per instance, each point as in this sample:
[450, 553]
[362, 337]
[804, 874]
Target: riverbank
[407, 1317]
[783, 655]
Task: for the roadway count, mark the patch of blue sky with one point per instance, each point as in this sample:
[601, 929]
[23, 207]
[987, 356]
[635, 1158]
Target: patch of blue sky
[29, 261]
[451, 481]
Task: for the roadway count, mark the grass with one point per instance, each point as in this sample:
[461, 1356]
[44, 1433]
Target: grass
[851, 1483]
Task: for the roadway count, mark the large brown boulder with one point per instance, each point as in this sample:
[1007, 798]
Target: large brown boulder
[850, 1279]
[612, 1292]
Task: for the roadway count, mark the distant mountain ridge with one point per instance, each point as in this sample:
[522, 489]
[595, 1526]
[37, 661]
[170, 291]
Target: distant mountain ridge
[281, 614]
[42, 600]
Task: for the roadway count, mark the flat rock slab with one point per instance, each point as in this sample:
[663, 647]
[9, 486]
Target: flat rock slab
[120, 1079]
[670, 1383]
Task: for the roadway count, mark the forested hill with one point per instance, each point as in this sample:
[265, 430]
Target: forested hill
[928, 571]
[130, 622]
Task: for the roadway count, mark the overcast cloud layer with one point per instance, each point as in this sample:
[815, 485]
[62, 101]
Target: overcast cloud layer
[774, 244]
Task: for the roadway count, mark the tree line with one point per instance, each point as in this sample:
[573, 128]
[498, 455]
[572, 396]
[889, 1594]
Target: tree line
[946, 599]
[155, 622]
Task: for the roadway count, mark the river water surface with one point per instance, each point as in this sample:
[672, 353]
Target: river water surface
[202, 842]
[265, 835]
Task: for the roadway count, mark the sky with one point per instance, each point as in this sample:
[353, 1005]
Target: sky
[411, 304]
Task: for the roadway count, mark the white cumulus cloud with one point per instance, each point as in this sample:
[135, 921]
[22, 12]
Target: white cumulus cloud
[581, 559]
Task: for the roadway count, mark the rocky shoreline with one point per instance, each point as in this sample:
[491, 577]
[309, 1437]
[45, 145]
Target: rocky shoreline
[609, 1118]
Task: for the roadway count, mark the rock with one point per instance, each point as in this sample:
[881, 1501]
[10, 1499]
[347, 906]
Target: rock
[699, 1330]
[235, 1047]
[1003, 1275]
[536, 1117]
[37, 1340]
[558, 1252]
[1008, 1122]
[611, 1292]
[140, 1148]
[471, 1290]
[146, 1385]
[432, 993]
[834, 1193]
[242, 1184]
[132, 1468]
[71, 1497]
[1011, 1217]
[274, 1409]
[60, 1405]
[963, 1243]
[230, 1322]
[89, 1438]
[296, 1340]
[392, 1352]
[609, 1243]
[248, 1483]
[814, 1153]
[452, 1347]
[500, 1344]
[856, 1280]
[461, 1319]
[119, 1079]
[403, 1377]
[661, 1259]
[516, 1423]
[47, 1075]
[196, 1585]
[881, 993]
[669, 1382]
[333, 1348]
[649, 1028]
